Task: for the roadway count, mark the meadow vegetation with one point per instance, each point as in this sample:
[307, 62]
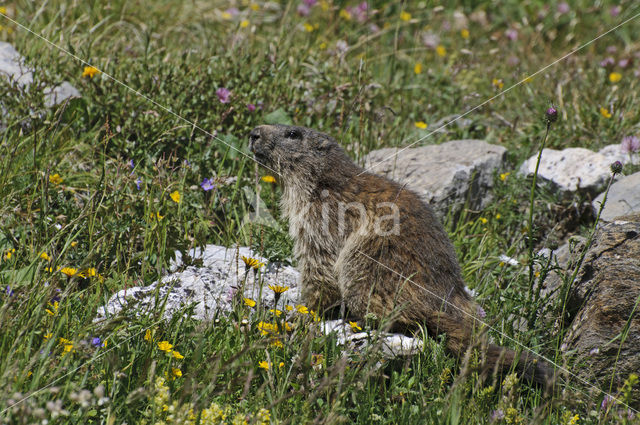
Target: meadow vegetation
[98, 193]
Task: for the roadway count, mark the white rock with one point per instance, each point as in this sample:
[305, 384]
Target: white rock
[623, 199]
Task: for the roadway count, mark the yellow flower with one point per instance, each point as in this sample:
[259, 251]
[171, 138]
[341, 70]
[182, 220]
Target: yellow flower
[254, 6]
[504, 176]
[417, 69]
[249, 302]
[574, 420]
[345, 14]
[69, 271]
[498, 216]
[176, 372]
[308, 27]
[441, 51]
[147, 335]
[354, 326]
[54, 308]
[405, 16]
[165, 346]
[244, 23]
[160, 217]
[91, 272]
[264, 365]
[47, 335]
[267, 328]
[177, 355]
[276, 312]
[277, 343]
[281, 364]
[175, 196]
[9, 253]
[421, 125]
[483, 220]
[67, 348]
[252, 262]
[226, 15]
[605, 112]
[464, 33]
[90, 71]
[288, 307]
[73, 244]
[44, 256]
[55, 179]
[497, 83]
[302, 309]
[269, 179]
[323, 46]
[614, 77]
[527, 80]
[278, 289]
[3, 10]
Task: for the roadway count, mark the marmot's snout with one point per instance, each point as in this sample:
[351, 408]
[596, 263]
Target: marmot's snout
[257, 144]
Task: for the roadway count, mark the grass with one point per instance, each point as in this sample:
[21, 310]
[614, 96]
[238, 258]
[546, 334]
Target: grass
[336, 74]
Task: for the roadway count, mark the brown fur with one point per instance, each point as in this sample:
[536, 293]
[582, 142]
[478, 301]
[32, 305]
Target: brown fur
[406, 275]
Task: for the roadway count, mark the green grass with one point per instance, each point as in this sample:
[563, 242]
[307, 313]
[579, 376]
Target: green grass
[178, 54]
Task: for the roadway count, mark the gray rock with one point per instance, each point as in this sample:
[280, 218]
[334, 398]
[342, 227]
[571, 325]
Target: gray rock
[615, 153]
[13, 67]
[445, 175]
[211, 288]
[604, 335]
[623, 199]
[571, 170]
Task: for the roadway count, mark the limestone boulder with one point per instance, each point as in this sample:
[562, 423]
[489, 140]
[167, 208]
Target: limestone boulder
[445, 176]
[623, 199]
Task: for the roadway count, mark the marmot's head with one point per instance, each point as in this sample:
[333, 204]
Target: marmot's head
[297, 152]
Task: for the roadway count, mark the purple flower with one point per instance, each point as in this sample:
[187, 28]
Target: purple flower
[138, 183]
[96, 342]
[624, 63]
[481, 313]
[56, 298]
[512, 34]
[9, 291]
[303, 10]
[612, 49]
[606, 401]
[616, 167]
[607, 62]
[615, 11]
[551, 114]
[563, 8]
[310, 3]
[223, 94]
[233, 11]
[630, 144]
[251, 107]
[207, 185]
[497, 415]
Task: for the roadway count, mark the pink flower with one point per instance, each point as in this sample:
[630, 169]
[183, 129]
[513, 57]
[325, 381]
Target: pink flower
[310, 3]
[223, 94]
[630, 144]
[615, 11]
[251, 107]
[624, 63]
[233, 11]
[512, 34]
[563, 8]
[607, 62]
[303, 10]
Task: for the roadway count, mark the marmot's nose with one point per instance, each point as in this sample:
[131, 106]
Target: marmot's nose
[254, 138]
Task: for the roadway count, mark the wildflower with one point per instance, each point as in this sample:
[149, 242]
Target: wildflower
[481, 313]
[464, 33]
[47, 335]
[607, 62]
[563, 8]
[3, 10]
[497, 415]
[252, 263]
[176, 372]
[90, 71]
[264, 365]
[244, 23]
[441, 51]
[483, 220]
[175, 196]
[574, 420]
[354, 326]
[615, 11]
[303, 10]
[551, 115]
[251, 107]
[497, 83]
[278, 289]
[302, 309]
[269, 179]
[308, 27]
[281, 364]
[405, 16]
[417, 69]
[504, 176]
[288, 307]
[67, 348]
[53, 310]
[73, 244]
[249, 302]
[606, 401]
[310, 3]
[138, 182]
[223, 94]
[55, 179]
[605, 113]
[96, 341]
[267, 328]
[624, 63]
[511, 34]
[421, 125]
[323, 46]
[614, 77]
[9, 253]
[345, 14]
[165, 346]
[69, 271]
[177, 355]
[498, 216]
[147, 335]
[630, 144]
[207, 184]
[44, 256]
[277, 343]
[616, 167]
[160, 217]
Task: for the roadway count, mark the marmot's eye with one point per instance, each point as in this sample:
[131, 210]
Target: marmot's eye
[294, 134]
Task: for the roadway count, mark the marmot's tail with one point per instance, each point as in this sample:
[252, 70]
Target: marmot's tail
[499, 360]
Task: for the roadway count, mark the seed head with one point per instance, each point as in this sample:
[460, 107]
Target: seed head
[616, 167]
